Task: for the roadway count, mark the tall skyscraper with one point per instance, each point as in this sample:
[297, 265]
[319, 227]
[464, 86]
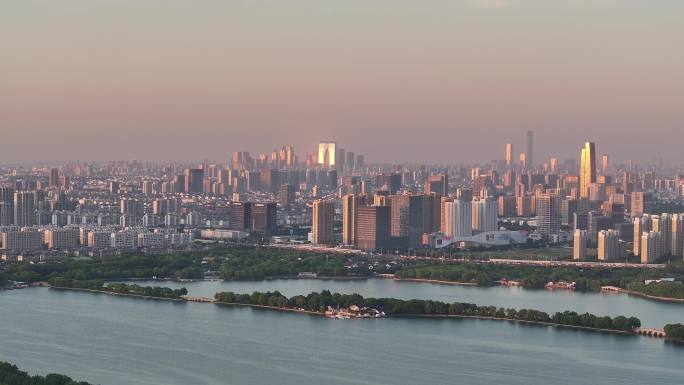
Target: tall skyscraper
[484, 211]
[639, 202]
[6, 206]
[194, 180]
[553, 165]
[412, 216]
[650, 247]
[24, 208]
[241, 160]
[373, 227]
[54, 177]
[351, 158]
[327, 154]
[270, 180]
[287, 195]
[458, 219]
[240, 216]
[604, 164]
[548, 213]
[322, 222]
[264, 217]
[438, 184]
[641, 225]
[290, 156]
[677, 235]
[587, 168]
[523, 161]
[530, 149]
[663, 225]
[509, 154]
[579, 252]
[350, 206]
[609, 246]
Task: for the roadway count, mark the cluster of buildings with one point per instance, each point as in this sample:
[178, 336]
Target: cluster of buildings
[332, 197]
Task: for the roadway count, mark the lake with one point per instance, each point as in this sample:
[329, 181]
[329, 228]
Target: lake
[114, 340]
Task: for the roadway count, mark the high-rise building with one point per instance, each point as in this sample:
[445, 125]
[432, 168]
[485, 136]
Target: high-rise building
[458, 219]
[663, 225]
[438, 184]
[506, 206]
[351, 158]
[264, 217]
[604, 164]
[639, 202]
[373, 227]
[6, 206]
[24, 208]
[341, 156]
[240, 216]
[322, 222]
[530, 148]
[414, 215]
[241, 160]
[524, 206]
[350, 206]
[270, 181]
[579, 252]
[609, 246]
[327, 154]
[290, 159]
[522, 160]
[62, 238]
[568, 209]
[163, 206]
[548, 213]
[677, 249]
[553, 165]
[389, 182]
[484, 213]
[641, 225]
[54, 177]
[24, 240]
[194, 180]
[287, 195]
[650, 247]
[587, 168]
[509, 154]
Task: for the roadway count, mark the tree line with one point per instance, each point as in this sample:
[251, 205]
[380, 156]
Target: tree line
[11, 375]
[318, 302]
[120, 288]
[535, 277]
[661, 289]
[675, 331]
[244, 263]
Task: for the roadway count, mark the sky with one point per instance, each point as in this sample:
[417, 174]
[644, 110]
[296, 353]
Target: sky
[433, 81]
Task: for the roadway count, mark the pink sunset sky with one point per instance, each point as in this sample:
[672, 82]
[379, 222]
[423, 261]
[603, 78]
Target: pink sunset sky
[427, 81]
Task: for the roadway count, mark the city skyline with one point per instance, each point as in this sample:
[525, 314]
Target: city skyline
[186, 83]
[342, 192]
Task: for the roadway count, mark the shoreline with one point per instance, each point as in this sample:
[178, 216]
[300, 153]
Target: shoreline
[435, 281]
[397, 279]
[95, 291]
[652, 297]
[272, 308]
[321, 314]
[527, 322]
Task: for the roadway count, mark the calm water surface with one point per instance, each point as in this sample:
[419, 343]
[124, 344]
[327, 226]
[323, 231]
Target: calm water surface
[115, 340]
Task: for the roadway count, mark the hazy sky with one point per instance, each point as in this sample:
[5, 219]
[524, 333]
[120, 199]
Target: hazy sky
[418, 80]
